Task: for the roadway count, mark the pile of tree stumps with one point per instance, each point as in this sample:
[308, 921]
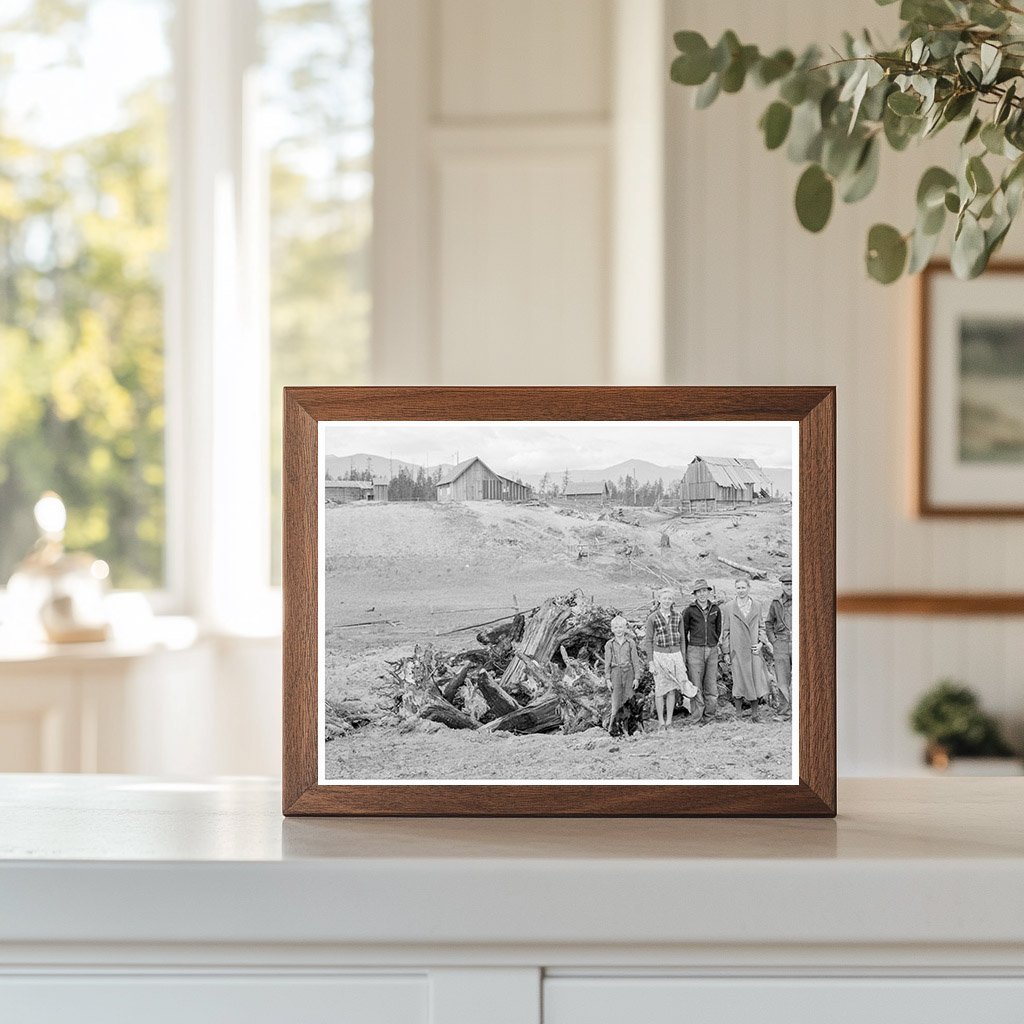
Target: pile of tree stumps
[536, 672]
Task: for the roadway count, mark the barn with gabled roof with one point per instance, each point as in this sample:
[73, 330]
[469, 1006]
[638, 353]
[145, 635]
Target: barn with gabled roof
[710, 480]
[473, 480]
[589, 492]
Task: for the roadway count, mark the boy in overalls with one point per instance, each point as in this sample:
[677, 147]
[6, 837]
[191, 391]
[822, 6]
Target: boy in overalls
[621, 670]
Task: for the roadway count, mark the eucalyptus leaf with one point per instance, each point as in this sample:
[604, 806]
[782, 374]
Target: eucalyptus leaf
[775, 124]
[973, 130]
[993, 138]
[1013, 187]
[1005, 105]
[931, 190]
[900, 130]
[968, 247]
[865, 173]
[904, 103]
[771, 69]
[735, 74]
[814, 195]
[707, 93]
[991, 60]
[922, 248]
[987, 15]
[840, 152]
[958, 105]
[886, 253]
[724, 51]
[873, 106]
[794, 88]
[932, 220]
[805, 133]
[978, 176]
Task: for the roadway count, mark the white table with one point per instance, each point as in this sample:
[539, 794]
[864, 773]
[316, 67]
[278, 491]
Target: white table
[197, 902]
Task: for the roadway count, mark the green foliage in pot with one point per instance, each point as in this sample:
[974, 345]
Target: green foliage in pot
[950, 717]
[957, 62]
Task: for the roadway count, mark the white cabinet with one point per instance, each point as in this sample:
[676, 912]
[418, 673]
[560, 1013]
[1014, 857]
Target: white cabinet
[202, 999]
[127, 899]
[828, 1000]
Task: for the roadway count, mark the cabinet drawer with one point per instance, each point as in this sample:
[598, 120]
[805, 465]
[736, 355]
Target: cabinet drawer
[678, 1000]
[202, 999]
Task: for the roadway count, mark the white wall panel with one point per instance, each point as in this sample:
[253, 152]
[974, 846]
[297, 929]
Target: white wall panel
[521, 278]
[494, 206]
[530, 58]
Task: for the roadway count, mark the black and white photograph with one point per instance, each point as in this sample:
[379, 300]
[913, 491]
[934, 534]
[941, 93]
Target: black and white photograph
[558, 601]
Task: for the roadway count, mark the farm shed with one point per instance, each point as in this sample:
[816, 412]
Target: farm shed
[712, 479]
[356, 490]
[348, 490]
[473, 480]
[588, 492]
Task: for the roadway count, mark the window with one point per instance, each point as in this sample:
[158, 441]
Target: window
[236, 212]
[83, 237]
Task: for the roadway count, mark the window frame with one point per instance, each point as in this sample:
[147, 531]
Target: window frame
[216, 328]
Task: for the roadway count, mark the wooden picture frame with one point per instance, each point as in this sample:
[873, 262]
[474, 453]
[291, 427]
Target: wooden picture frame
[931, 373]
[812, 791]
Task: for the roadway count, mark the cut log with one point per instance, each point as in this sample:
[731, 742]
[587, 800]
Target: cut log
[497, 699]
[452, 686]
[513, 629]
[544, 677]
[541, 715]
[439, 710]
[751, 571]
[539, 641]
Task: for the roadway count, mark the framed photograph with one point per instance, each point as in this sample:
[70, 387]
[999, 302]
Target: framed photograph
[970, 444]
[559, 601]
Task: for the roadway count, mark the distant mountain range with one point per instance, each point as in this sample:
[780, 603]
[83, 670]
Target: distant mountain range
[643, 472]
[379, 465]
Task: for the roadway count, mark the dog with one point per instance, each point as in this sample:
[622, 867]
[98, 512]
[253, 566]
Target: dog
[629, 718]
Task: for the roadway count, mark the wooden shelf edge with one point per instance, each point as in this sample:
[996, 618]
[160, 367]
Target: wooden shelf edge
[934, 603]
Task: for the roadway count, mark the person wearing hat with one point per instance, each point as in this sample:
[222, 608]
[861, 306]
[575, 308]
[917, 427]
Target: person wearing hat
[779, 629]
[702, 629]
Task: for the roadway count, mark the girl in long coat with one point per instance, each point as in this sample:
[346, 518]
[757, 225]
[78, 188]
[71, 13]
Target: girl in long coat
[743, 635]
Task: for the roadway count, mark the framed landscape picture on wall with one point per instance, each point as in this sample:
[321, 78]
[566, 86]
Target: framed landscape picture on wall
[970, 444]
[559, 601]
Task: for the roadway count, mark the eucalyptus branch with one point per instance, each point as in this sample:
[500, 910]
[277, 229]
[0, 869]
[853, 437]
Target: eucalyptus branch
[953, 58]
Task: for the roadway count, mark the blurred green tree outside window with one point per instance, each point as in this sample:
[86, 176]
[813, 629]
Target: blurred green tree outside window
[84, 211]
[83, 237]
[317, 122]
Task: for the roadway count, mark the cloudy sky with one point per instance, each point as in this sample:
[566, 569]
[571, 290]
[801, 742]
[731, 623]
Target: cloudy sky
[538, 447]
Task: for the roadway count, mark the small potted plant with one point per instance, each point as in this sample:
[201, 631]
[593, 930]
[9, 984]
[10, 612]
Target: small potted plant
[950, 718]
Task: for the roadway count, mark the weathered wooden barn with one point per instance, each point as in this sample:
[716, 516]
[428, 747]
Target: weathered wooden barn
[355, 490]
[474, 480]
[713, 480]
[587, 492]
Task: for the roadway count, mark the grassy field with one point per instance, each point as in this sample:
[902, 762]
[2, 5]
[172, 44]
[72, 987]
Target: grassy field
[417, 571]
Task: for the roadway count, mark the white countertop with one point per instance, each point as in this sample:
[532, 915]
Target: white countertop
[121, 859]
